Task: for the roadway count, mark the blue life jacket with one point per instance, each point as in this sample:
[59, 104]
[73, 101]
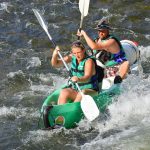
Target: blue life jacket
[112, 59]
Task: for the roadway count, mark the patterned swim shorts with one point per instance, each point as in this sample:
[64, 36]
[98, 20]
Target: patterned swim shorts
[112, 71]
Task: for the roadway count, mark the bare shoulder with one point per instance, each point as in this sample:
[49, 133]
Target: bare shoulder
[90, 62]
[110, 41]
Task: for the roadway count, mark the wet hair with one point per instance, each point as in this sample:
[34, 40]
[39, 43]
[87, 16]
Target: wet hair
[78, 44]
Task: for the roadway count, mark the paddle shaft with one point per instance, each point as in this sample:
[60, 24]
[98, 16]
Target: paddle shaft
[81, 23]
[43, 25]
[83, 7]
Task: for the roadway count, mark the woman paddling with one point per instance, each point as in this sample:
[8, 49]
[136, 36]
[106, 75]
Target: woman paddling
[83, 70]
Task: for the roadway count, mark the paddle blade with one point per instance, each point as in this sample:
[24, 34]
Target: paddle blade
[42, 22]
[89, 108]
[84, 7]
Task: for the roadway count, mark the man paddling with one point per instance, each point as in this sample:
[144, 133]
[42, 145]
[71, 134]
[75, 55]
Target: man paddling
[83, 70]
[109, 51]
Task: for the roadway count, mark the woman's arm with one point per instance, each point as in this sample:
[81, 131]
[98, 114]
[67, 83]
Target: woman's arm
[56, 61]
[89, 71]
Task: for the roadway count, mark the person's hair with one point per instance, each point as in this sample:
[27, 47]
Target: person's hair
[78, 44]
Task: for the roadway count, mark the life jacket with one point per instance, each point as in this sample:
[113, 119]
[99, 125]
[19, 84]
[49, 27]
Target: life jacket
[78, 70]
[109, 59]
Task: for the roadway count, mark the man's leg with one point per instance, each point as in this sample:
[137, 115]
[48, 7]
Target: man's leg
[124, 68]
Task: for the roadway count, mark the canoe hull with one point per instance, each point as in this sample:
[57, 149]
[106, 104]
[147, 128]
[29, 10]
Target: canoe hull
[70, 114]
[67, 115]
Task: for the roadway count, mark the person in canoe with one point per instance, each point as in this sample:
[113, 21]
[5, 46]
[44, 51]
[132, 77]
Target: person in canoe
[109, 51]
[83, 70]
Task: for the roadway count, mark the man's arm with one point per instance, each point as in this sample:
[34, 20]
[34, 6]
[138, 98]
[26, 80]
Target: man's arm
[109, 45]
[105, 45]
[89, 41]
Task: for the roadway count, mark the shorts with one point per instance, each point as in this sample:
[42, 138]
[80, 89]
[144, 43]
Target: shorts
[112, 71]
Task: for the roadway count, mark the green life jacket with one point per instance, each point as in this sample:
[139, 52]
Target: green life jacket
[111, 59]
[78, 70]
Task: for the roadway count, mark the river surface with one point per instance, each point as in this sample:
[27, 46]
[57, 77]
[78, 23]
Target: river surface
[26, 76]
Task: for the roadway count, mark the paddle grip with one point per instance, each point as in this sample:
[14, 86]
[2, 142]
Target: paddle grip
[79, 31]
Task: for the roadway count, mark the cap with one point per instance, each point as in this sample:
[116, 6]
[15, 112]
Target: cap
[103, 25]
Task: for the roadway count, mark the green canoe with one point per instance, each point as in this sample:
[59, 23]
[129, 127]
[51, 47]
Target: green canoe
[70, 114]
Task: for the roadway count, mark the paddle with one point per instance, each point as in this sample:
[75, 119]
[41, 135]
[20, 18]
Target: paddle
[88, 105]
[44, 26]
[83, 7]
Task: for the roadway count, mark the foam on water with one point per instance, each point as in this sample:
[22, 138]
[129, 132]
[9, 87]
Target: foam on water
[41, 135]
[58, 82]
[50, 82]
[13, 74]
[34, 62]
[4, 6]
[45, 77]
[130, 109]
[41, 88]
[145, 52]
[129, 118]
[123, 140]
[18, 112]
[37, 136]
